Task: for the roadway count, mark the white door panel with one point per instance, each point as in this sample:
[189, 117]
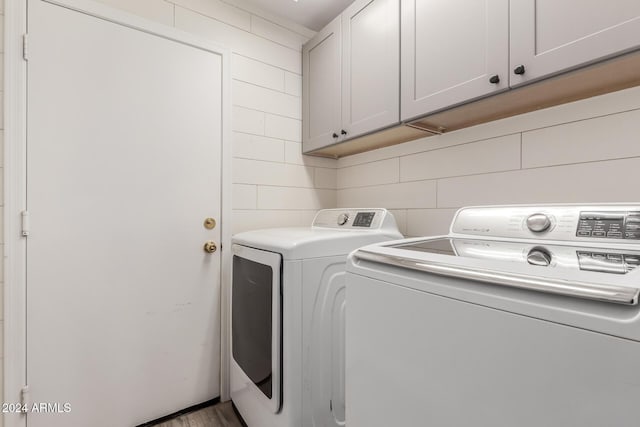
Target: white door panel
[370, 66]
[450, 52]
[550, 36]
[321, 88]
[124, 134]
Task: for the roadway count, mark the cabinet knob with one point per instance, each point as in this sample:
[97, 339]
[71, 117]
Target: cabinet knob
[343, 132]
[495, 79]
[335, 135]
[519, 70]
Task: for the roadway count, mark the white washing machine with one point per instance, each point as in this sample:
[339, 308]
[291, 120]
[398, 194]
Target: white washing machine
[287, 317]
[521, 316]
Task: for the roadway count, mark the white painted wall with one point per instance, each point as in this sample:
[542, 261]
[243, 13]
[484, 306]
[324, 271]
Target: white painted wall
[274, 185]
[586, 151]
[1, 204]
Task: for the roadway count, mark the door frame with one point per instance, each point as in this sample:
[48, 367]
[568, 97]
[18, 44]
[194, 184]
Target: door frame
[15, 184]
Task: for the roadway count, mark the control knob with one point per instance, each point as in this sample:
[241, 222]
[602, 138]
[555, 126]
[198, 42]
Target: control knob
[343, 218]
[538, 222]
[539, 256]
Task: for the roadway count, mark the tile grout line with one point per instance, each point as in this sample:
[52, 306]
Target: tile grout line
[628, 110]
[267, 64]
[607, 160]
[239, 28]
[266, 112]
[267, 88]
[521, 134]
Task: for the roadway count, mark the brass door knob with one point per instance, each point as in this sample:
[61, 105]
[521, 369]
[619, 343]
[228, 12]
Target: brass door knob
[209, 223]
[210, 246]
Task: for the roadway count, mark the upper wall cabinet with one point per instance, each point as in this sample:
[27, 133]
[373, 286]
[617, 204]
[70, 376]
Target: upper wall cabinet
[551, 36]
[452, 51]
[370, 66]
[365, 42]
[321, 88]
[462, 63]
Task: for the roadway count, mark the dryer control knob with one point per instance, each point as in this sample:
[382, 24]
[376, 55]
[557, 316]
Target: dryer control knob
[538, 222]
[343, 218]
[539, 256]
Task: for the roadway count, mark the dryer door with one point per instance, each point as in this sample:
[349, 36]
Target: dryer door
[256, 321]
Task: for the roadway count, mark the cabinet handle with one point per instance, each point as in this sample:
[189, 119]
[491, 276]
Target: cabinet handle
[519, 70]
[335, 135]
[343, 132]
[495, 79]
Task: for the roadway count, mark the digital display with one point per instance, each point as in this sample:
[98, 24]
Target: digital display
[363, 219]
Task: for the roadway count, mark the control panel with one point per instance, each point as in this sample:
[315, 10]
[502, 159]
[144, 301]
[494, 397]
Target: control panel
[354, 219]
[611, 225]
[606, 222]
[596, 259]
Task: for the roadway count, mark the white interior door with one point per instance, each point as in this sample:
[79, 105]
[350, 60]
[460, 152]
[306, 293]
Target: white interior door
[124, 144]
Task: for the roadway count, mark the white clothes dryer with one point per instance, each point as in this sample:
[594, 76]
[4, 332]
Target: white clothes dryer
[288, 313]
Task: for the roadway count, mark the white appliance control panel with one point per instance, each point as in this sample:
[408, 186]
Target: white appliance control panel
[354, 219]
[611, 223]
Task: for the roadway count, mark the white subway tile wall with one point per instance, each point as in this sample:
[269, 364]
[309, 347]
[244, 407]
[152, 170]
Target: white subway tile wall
[368, 174]
[277, 33]
[586, 151]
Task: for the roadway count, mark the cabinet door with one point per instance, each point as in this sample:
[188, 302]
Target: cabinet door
[452, 52]
[321, 88]
[370, 66]
[551, 36]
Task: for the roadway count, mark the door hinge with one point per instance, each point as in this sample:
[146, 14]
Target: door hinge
[25, 223]
[25, 398]
[25, 47]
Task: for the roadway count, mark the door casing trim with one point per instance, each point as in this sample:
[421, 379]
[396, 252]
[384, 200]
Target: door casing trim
[15, 185]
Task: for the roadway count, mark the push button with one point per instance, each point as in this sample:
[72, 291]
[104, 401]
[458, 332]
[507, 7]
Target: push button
[615, 258]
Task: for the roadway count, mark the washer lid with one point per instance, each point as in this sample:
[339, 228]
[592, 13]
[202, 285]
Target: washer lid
[588, 272]
[307, 242]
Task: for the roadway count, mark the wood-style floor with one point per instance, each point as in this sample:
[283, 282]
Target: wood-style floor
[219, 415]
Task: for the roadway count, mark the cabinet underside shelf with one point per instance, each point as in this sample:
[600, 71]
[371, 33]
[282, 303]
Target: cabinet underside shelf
[609, 76]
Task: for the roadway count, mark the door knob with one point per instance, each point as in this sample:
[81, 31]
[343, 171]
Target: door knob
[495, 79]
[519, 70]
[210, 246]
